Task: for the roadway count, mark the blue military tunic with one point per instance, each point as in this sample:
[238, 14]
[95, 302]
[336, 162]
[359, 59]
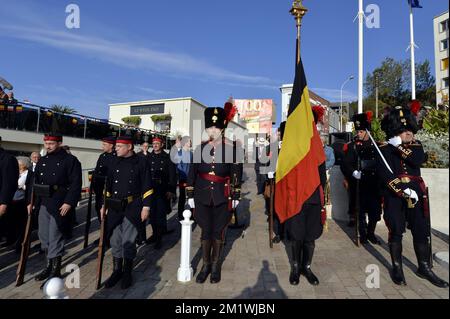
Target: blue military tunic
[62, 172]
[128, 180]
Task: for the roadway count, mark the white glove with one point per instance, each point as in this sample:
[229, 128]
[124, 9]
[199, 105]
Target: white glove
[270, 175]
[234, 203]
[395, 141]
[412, 194]
[191, 203]
[357, 174]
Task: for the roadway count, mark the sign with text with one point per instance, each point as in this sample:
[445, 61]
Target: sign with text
[147, 109]
[257, 114]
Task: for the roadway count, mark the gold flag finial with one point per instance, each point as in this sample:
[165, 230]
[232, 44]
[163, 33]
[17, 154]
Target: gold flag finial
[298, 11]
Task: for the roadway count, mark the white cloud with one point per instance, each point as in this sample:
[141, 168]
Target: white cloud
[130, 55]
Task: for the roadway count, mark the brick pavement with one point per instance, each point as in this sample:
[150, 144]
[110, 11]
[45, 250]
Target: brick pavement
[250, 270]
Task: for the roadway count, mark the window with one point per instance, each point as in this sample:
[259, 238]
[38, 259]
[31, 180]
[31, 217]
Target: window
[443, 26]
[444, 64]
[444, 45]
[445, 83]
[162, 125]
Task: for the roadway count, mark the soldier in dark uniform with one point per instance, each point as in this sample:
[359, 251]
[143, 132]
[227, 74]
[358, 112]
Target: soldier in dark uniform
[9, 175]
[128, 201]
[104, 162]
[57, 187]
[164, 181]
[278, 227]
[304, 228]
[214, 190]
[359, 163]
[404, 191]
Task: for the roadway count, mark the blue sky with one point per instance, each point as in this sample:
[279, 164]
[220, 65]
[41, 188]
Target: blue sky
[207, 49]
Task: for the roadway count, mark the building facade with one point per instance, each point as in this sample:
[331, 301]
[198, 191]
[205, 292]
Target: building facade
[331, 118]
[441, 48]
[175, 117]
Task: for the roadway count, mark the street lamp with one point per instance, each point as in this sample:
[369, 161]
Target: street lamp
[351, 77]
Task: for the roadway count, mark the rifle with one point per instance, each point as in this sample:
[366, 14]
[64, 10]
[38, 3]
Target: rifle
[271, 212]
[89, 212]
[427, 202]
[357, 204]
[101, 252]
[20, 274]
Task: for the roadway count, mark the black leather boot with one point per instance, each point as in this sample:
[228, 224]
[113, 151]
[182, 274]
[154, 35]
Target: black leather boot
[158, 240]
[362, 231]
[56, 268]
[296, 250]
[308, 252]
[45, 272]
[371, 233]
[424, 271]
[397, 268]
[216, 262]
[127, 279]
[116, 274]
[206, 268]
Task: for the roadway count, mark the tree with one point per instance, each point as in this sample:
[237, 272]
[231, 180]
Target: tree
[394, 83]
[62, 109]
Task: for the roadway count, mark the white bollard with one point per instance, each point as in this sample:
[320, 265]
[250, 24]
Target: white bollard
[185, 272]
[54, 289]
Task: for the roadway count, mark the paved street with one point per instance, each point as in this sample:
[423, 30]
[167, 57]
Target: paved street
[250, 270]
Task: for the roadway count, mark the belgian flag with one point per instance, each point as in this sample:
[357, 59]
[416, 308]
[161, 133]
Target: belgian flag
[297, 173]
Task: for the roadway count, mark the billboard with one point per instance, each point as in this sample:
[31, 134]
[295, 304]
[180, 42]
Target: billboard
[257, 114]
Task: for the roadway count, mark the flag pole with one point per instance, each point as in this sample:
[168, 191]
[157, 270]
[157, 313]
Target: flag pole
[298, 11]
[412, 47]
[361, 56]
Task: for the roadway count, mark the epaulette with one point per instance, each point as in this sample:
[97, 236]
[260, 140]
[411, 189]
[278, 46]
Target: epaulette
[383, 144]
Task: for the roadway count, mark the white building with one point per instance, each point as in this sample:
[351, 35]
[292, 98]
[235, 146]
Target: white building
[331, 118]
[441, 43]
[179, 116]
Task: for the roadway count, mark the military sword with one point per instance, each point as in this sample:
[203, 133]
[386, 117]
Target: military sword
[271, 212]
[89, 213]
[101, 252]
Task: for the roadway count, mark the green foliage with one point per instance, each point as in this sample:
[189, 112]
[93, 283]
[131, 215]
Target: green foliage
[62, 109]
[436, 148]
[436, 122]
[132, 120]
[393, 79]
[376, 131]
[162, 117]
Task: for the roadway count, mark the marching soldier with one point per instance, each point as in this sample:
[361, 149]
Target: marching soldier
[9, 174]
[128, 201]
[214, 189]
[405, 194]
[104, 162]
[164, 181]
[57, 187]
[360, 164]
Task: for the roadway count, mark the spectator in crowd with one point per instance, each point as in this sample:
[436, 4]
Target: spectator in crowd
[183, 160]
[34, 157]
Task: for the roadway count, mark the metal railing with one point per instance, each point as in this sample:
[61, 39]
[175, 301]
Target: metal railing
[25, 116]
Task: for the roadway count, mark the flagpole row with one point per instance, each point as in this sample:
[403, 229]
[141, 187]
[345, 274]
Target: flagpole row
[412, 46]
[360, 56]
